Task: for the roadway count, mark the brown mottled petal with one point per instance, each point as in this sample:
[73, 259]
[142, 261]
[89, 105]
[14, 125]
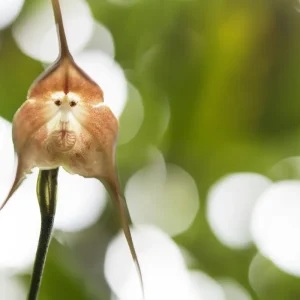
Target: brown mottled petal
[21, 172]
[66, 76]
[29, 118]
[28, 123]
[82, 85]
[93, 153]
[102, 127]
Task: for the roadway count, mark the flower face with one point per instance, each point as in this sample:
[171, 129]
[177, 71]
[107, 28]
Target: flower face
[64, 122]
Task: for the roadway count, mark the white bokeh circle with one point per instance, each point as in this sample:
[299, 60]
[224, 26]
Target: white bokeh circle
[9, 10]
[101, 40]
[35, 32]
[275, 225]
[108, 75]
[233, 290]
[206, 288]
[10, 287]
[168, 200]
[132, 117]
[80, 202]
[19, 220]
[162, 266]
[259, 279]
[20, 226]
[230, 204]
[287, 168]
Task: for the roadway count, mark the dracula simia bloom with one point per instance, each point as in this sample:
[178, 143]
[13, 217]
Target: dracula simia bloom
[65, 123]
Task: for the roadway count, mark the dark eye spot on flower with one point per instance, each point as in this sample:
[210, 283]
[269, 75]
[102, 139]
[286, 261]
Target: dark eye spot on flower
[57, 102]
[73, 103]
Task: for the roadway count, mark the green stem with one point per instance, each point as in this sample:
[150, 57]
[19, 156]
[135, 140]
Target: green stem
[40, 257]
[46, 192]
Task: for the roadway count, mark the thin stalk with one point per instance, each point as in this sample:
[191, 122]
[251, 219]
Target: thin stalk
[40, 258]
[63, 44]
[46, 192]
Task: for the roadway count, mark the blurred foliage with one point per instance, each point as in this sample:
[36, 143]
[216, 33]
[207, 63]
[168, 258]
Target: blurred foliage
[229, 71]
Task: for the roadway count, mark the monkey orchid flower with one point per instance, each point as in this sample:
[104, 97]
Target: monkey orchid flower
[66, 123]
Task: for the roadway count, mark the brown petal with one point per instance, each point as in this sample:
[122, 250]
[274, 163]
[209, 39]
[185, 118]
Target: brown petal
[95, 144]
[21, 172]
[112, 185]
[100, 129]
[28, 128]
[65, 76]
[32, 116]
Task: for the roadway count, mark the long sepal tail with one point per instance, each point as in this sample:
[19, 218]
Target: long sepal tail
[19, 178]
[113, 187]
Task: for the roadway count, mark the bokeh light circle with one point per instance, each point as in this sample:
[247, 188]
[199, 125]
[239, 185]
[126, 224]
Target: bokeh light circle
[101, 40]
[9, 10]
[206, 288]
[230, 204]
[80, 202]
[108, 75]
[19, 226]
[161, 263]
[265, 278]
[169, 201]
[288, 168]
[132, 116]
[10, 287]
[233, 290]
[35, 32]
[275, 225]
[20, 219]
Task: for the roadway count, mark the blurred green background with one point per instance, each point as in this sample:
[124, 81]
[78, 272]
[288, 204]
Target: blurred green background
[229, 71]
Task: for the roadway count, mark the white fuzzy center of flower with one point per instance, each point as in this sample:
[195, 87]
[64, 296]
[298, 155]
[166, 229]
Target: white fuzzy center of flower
[64, 128]
[64, 119]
